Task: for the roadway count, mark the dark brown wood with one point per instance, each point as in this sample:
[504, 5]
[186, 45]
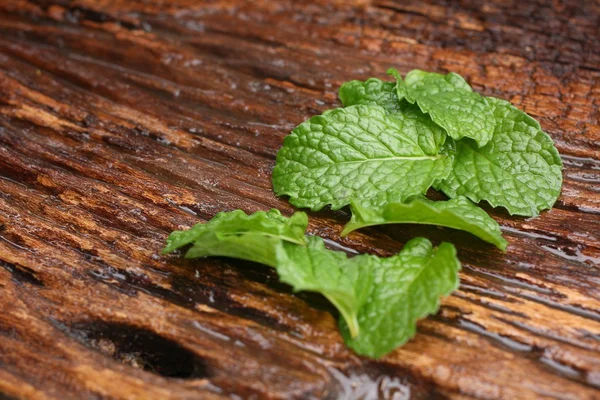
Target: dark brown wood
[123, 120]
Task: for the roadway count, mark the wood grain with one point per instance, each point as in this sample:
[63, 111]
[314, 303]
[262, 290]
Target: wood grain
[123, 120]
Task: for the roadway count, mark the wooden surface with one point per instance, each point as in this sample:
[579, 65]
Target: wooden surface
[123, 120]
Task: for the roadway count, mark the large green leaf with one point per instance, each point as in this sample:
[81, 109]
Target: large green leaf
[359, 152]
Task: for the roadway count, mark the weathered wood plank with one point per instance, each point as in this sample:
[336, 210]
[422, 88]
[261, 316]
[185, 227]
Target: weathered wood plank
[121, 121]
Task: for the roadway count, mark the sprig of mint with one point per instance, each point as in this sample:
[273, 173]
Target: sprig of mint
[367, 290]
[498, 153]
[459, 213]
[380, 153]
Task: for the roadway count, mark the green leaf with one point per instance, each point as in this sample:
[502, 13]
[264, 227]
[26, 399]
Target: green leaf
[454, 79]
[450, 102]
[520, 169]
[344, 282]
[405, 288]
[379, 299]
[358, 152]
[373, 91]
[234, 234]
[459, 213]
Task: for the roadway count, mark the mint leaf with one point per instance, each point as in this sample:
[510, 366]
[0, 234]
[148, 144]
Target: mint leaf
[450, 102]
[405, 288]
[519, 169]
[344, 282]
[358, 152]
[459, 213]
[234, 234]
[416, 75]
[373, 91]
[376, 92]
[379, 299]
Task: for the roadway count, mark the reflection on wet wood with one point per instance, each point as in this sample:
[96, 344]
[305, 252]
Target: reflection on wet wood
[123, 120]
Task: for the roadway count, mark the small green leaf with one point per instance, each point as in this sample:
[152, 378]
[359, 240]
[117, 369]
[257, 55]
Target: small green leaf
[459, 213]
[450, 102]
[401, 90]
[405, 288]
[234, 234]
[344, 282]
[416, 75]
[379, 299]
[358, 152]
[519, 169]
[373, 91]
[253, 247]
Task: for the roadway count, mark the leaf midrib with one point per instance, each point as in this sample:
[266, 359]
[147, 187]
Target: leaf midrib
[264, 234]
[396, 158]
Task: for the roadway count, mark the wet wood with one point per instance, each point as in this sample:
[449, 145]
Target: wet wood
[123, 120]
